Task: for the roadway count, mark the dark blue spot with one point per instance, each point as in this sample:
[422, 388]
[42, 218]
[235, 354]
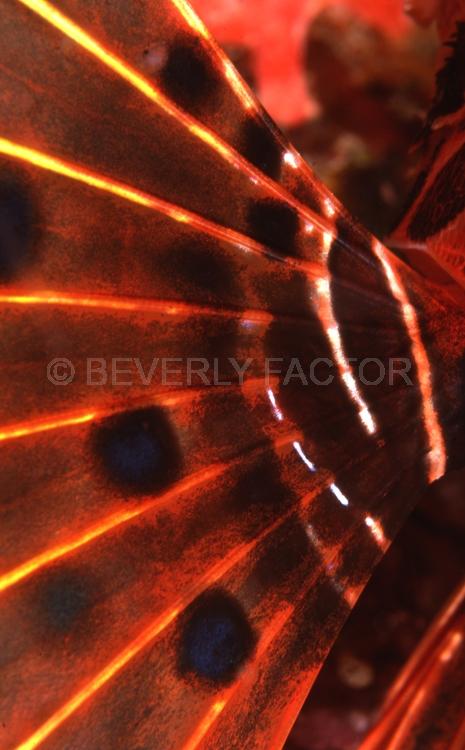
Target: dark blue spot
[216, 639]
[138, 450]
[17, 229]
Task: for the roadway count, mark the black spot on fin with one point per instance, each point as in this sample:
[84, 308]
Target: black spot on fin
[260, 148]
[138, 450]
[216, 639]
[188, 76]
[274, 224]
[17, 228]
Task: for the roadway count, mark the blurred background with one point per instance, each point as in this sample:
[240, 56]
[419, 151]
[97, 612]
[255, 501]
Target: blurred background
[349, 83]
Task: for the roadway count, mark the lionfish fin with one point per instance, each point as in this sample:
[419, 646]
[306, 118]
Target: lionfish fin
[181, 544]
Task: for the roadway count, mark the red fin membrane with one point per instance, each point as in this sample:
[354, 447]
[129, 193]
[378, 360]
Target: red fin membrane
[181, 545]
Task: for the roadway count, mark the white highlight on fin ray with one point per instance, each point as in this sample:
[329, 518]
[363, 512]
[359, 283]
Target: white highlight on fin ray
[276, 410]
[291, 160]
[437, 450]
[329, 322]
[298, 448]
[339, 494]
